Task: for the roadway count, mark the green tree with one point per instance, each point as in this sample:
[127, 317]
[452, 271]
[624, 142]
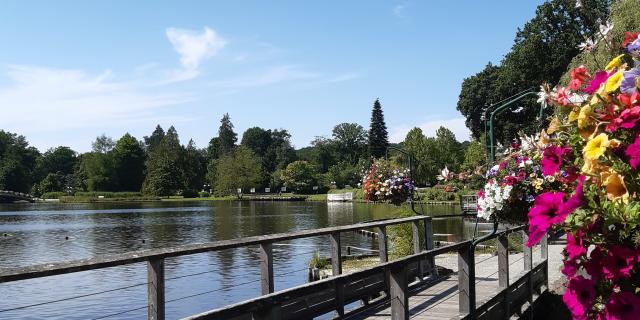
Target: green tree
[128, 160]
[345, 173]
[449, 151]
[378, 136]
[351, 141]
[474, 156]
[17, 160]
[424, 151]
[226, 135]
[165, 167]
[257, 139]
[53, 182]
[97, 171]
[56, 160]
[154, 139]
[324, 153]
[195, 164]
[300, 176]
[240, 168]
[103, 144]
[280, 152]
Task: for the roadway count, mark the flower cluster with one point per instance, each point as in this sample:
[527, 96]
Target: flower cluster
[594, 138]
[385, 182]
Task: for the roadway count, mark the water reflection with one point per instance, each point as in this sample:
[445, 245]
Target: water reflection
[38, 233]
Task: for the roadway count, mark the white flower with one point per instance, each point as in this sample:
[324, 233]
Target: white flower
[588, 45]
[544, 96]
[605, 29]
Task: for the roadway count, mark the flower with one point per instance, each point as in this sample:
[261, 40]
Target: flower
[619, 262]
[598, 79]
[629, 83]
[596, 147]
[584, 116]
[563, 96]
[614, 82]
[593, 265]
[587, 46]
[629, 37]
[615, 186]
[633, 152]
[544, 96]
[627, 119]
[623, 305]
[575, 245]
[579, 297]
[614, 63]
[569, 268]
[543, 214]
[578, 77]
[553, 158]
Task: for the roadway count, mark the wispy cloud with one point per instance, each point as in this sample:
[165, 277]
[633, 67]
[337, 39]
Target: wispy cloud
[63, 99]
[399, 10]
[193, 47]
[456, 125]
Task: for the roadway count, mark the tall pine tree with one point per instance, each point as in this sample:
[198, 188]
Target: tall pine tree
[226, 136]
[378, 136]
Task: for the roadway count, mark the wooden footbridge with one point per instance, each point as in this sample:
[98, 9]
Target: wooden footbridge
[12, 196]
[409, 287]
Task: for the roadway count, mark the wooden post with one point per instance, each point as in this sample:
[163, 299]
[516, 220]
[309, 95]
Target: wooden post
[399, 296]
[336, 253]
[155, 289]
[466, 280]
[336, 266]
[527, 252]
[428, 242]
[382, 243]
[417, 247]
[503, 261]
[503, 271]
[544, 252]
[266, 267]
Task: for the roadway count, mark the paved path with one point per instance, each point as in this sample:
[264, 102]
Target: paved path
[440, 300]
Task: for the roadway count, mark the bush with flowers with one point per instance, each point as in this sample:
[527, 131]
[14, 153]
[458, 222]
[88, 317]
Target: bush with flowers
[386, 182]
[595, 137]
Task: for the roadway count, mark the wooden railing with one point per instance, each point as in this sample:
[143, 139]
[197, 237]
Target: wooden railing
[332, 294]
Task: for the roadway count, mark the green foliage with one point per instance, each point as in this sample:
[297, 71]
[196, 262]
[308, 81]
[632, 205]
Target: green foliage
[378, 136]
[128, 161]
[97, 172]
[103, 144]
[318, 262]
[542, 51]
[52, 195]
[164, 167]
[240, 168]
[194, 167]
[300, 176]
[56, 160]
[437, 194]
[154, 140]
[474, 156]
[109, 195]
[343, 174]
[17, 161]
[226, 135]
[257, 139]
[189, 193]
[350, 141]
[53, 182]
[204, 194]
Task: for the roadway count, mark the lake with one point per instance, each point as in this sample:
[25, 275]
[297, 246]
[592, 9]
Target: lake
[50, 232]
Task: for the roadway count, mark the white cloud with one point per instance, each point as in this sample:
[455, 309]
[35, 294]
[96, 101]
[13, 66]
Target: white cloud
[456, 125]
[399, 11]
[194, 47]
[41, 100]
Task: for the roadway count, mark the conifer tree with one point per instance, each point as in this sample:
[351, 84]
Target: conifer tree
[378, 136]
[227, 138]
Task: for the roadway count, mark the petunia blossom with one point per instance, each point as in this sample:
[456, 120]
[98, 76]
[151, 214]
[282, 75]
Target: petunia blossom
[629, 83]
[593, 265]
[623, 305]
[544, 214]
[575, 245]
[633, 152]
[598, 79]
[619, 262]
[627, 119]
[569, 268]
[579, 297]
[579, 76]
[553, 158]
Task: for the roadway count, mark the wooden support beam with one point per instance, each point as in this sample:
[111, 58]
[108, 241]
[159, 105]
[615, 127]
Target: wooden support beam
[527, 252]
[382, 243]
[266, 267]
[428, 242]
[466, 280]
[398, 292]
[417, 247]
[503, 261]
[155, 289]
[336, 253]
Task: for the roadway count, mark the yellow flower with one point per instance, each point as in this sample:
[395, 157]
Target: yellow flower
[615, 62]
[614, 82]
[544, 139]
[614, 186]
[573, 115]
[591, 167]
[554, 126]
[584, 116]
[596, 147]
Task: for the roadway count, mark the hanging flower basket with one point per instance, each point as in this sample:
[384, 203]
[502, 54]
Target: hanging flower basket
[387, 183]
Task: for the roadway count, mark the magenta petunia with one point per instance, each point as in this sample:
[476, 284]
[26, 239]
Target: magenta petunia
[575, 245]
[598, 79]
[623, 305]
[569, 268]
[543, 214]
[619, 262]
[593, 265]
[627, 119]
[576, 200]
[553, 158]
[633, 152]
[579, 297]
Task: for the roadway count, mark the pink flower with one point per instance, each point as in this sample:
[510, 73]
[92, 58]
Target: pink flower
[569, 268]
[633, 152]
[623, 305]
[597, 80]
[593, 265]
[619, 262]
[576, 200]
[579, 297]
[575, 245]
[543, 214]
[563, 96]
[553, 158]
[579, 76]
[627, 119]
[509, 180]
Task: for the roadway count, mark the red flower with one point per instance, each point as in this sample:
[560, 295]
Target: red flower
[627, 119]
[629, 37]
[579, 76]
[563, 96]
[623, 305]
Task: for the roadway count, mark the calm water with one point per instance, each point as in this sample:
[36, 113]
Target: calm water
[37, 233]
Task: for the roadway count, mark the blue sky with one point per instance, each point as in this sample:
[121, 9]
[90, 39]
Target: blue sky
[72, 70]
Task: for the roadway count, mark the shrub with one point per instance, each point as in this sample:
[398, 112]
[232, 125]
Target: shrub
[204, 194]
[188, 193]
[52, 195]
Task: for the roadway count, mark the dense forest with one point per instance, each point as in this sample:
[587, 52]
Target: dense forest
[161, 165]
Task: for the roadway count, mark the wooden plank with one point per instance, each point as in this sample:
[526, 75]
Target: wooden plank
[398, 293]
[503, 261]
[336, 253]
[466, 280]
[417, 247]
[266, 268]
[382, 244]
[155, 290]
[106, 261]
[430, 265]
[527, 252]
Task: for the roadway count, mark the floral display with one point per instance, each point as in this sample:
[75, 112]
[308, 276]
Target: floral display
[592, 151]
[388, 183]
